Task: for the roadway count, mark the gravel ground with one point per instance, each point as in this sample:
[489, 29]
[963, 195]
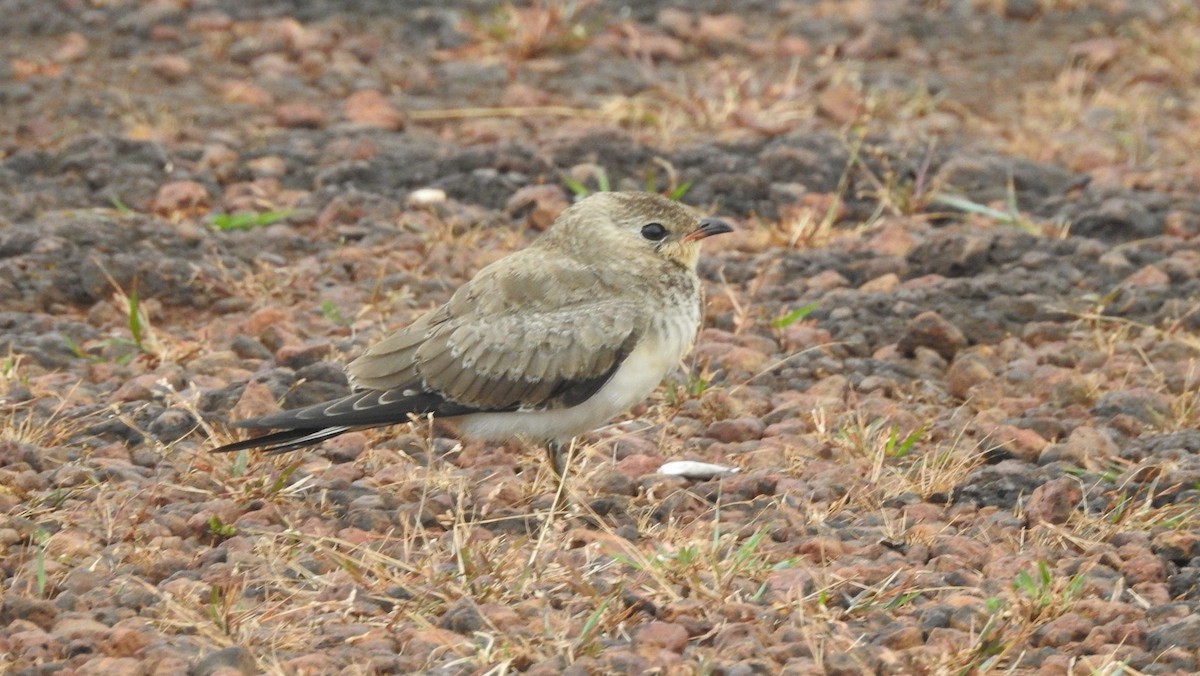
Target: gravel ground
[953, 349]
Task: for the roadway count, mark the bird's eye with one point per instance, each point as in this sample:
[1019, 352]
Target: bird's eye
[654, 231]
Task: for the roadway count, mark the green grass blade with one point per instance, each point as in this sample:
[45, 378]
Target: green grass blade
[578, 189]
[602, 180]
[794, 316]
[136, 327]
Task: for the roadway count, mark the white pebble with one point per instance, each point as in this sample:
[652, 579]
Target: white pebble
[696, 470]
[425, 197]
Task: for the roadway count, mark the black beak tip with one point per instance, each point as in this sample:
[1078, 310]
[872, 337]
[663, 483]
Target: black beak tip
[713, 226]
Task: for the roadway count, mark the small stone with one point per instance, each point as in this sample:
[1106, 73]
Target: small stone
[1178, 546]
[719, 29]
[621, 660]
[41, 612]
[463, 618]
[1063, 630]
[127, 641]
[1182, 632]
[966, 372]
[1145, 568]
[258, 323]
[9, 537]
[538, 204]
[180, 198]
[300, 116]
[113, 666]
[1022, 443]
[677, 22]
[214, 511]
[935, 616]
[638, 465]
[790, 583]
[1147, 277]
[1053, 502]
[969, 616]
[71, 543]
[139, 388]
[1022, 10]
[246, 93]
[268, 166]
[1141, 404]
[794, 45]
[306, 354]
[951, 254]
[423, 642]
[1072, 388]
[256, 400]
[931, 330]
[1181, 224]
[370, 108]
[249, 347]
[209, 22]
[1039, 333]
[171, 67]
[31, 644]
[662, 635]
[345, 447]
[1117, 219]
[74, 47]
[1097, 52]
[80, 627]
[800, 336]
[893, 239]
[1089, 445]
[827, 280]
[736, 430]
[885, 283]
[171, 425]
[696, 471]
[840, 103]
[235, 659]
[819, 549]
[741, 363]
[426, 197]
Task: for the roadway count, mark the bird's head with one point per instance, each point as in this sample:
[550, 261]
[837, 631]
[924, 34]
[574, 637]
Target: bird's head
[629, 226]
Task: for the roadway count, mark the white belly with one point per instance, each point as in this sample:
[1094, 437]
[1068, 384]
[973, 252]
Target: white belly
[633, 381]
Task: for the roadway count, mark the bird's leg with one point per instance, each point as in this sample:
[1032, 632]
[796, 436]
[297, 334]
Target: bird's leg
[560, 462]
[554, 452]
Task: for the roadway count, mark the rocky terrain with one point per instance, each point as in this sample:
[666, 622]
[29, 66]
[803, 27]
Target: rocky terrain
[953, 348]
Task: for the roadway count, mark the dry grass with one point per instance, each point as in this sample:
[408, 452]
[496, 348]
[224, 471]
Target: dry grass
[565, 586]
[467, 565]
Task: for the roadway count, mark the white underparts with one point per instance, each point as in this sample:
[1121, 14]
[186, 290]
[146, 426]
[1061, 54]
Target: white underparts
[645, 367]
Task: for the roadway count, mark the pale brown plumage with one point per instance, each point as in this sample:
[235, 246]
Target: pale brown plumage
[547, 342]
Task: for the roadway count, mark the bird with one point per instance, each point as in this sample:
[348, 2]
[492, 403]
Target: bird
[546, 343]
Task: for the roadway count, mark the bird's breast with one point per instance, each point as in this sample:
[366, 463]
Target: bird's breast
[650, 361]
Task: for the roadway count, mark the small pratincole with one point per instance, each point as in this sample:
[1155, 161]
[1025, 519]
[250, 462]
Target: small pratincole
[546, 343]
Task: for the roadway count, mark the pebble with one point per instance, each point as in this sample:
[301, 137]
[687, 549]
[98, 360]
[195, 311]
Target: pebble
[930, 330]
[300, 116]
[233, 660]
[370, 108]
[662, 635]
[1053, 502]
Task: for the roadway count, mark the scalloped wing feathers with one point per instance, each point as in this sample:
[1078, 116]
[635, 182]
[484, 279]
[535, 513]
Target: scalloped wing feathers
[530, 336]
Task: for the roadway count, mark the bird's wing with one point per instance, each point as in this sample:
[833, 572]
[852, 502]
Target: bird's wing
[524, 333]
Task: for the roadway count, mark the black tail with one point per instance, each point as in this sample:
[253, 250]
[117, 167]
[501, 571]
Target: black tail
[282, 442]
[311, 425]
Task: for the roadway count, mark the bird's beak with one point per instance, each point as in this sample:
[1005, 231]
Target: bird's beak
[708, 228]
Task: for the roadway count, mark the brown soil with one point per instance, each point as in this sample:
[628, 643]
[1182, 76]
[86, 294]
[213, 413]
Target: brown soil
[953, 349]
